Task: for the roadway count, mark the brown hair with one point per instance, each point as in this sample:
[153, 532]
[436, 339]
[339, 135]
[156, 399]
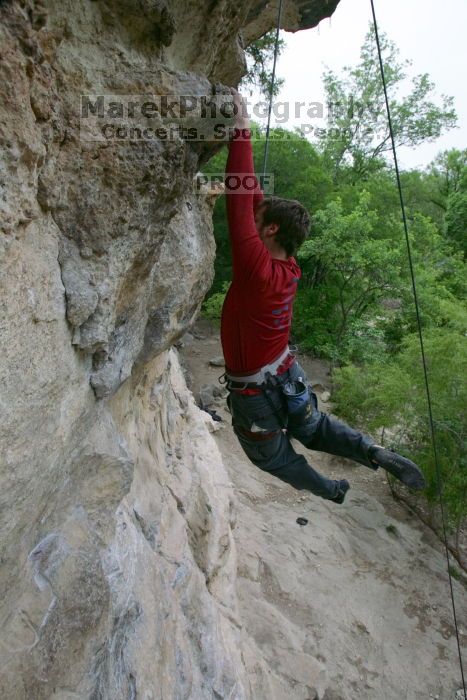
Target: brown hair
[291, 217]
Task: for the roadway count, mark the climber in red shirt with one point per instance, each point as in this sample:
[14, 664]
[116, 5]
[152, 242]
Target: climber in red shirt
[270, 398]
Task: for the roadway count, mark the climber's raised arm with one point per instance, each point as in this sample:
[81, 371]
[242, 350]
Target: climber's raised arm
[250, 257]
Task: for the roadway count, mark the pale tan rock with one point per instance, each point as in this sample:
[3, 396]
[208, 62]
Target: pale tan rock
[118, 566]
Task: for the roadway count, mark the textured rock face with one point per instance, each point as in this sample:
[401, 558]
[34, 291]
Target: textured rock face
[129, 590]
[117, 577]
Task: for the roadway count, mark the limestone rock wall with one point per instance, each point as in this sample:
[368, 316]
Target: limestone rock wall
[117, 571]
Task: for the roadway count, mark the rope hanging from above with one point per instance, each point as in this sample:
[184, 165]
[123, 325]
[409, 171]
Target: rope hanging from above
[414, 290]
[271, 91]
[420, 336]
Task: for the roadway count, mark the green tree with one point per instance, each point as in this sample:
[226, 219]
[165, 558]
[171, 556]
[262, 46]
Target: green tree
[360, 134]
[297, 168]
[259, 57]
[350, 266]
[440, 281]
[388, 397]
[421, 193]
[450, 171]
[456, 220]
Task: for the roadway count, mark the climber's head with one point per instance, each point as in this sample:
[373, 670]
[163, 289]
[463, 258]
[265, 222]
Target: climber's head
[282, 224]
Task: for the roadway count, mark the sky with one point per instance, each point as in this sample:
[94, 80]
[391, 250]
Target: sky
[430, 33]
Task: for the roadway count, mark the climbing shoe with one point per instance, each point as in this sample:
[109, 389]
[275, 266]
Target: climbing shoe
[400, 467]
[343, 487]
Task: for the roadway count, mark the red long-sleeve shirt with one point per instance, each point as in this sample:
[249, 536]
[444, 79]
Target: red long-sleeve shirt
[257, 312]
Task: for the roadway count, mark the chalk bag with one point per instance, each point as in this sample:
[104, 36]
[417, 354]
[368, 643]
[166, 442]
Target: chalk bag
[296, 395]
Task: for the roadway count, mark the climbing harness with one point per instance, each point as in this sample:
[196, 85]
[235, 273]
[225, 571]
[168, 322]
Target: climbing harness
[260, 376]
[414, 291]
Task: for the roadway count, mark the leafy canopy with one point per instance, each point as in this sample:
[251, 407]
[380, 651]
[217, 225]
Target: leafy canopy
[360, 133]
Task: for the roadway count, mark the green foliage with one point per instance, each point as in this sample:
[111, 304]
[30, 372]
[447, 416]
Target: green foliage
[360, 133]
[440, 281]
[297, 168]
[450, 171]
[260, 56]
[351, 265]
[455, 573]
[456, 220]
[390, 394]
[212, 306]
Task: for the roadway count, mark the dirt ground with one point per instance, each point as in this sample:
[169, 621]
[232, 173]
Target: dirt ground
[356, 603]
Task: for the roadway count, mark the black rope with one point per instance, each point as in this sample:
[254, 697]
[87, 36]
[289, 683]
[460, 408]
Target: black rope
[420, 335]
[271, 91]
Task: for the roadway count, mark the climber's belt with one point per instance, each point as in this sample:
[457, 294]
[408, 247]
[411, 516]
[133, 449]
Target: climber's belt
[266, 374]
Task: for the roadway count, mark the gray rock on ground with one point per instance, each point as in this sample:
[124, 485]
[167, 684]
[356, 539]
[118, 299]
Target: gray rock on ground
[217, 361]
[211, 394]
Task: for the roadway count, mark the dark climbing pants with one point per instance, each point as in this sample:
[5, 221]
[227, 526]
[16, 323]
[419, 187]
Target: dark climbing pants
[264, 428]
